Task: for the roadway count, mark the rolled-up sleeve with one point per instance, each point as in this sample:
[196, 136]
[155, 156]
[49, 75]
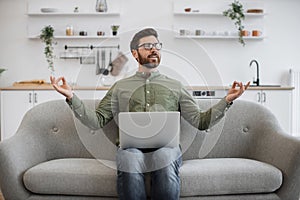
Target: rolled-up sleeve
[87, 116]
[96, 118]
[196, 117]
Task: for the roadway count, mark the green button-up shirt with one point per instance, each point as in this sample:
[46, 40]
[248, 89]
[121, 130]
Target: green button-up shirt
[147, 93]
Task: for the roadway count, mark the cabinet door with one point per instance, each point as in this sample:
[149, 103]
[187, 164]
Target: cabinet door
[280, 103]
[41, 96]
[252, 95]
[14, 104]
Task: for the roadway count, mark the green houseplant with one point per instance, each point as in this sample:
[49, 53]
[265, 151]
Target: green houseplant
[2, 70]
[114, 29]
[236, 13]
[47, 36]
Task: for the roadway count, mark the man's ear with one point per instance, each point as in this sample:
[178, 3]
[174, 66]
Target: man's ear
[134, 54]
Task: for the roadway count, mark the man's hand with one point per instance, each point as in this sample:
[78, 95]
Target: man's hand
[235, 93]
[64, 89]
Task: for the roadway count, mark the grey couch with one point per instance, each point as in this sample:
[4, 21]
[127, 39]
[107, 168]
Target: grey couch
[245, 156]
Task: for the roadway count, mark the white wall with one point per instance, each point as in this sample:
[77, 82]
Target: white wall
[227, 60]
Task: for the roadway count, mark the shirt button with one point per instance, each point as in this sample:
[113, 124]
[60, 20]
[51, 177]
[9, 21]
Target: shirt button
[147, 104]
[147, 80]
[147, 91]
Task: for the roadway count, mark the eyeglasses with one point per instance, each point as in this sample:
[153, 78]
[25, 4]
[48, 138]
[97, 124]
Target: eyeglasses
[149, 46]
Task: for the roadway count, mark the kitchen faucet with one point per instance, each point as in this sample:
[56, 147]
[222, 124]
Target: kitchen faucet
[257, 71]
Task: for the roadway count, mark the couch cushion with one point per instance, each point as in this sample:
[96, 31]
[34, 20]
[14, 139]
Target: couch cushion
[91, 177]
[228, 176]
[72, 177]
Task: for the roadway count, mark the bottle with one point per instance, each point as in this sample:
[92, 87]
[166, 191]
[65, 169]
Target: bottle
[101, 6]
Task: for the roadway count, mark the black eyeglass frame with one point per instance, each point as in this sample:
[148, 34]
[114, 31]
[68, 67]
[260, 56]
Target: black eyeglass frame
[157, 45]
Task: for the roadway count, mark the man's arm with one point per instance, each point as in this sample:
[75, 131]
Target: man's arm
[94, 119]
[206, 119]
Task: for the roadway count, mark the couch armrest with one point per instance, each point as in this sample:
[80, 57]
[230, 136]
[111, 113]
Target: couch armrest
[17, 154]
[276, 147]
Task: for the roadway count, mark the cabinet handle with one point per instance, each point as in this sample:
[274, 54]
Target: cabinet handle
[35, 98]
[30, 97]
[264, 97]
[258, 97]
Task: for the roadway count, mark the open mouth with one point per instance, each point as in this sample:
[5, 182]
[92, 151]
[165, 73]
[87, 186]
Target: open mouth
[153, 57]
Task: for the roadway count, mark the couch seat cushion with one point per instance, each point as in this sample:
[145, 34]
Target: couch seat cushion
[228, 176]
[72, 177]
[202, 177]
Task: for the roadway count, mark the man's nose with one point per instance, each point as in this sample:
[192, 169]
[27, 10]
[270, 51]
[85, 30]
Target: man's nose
[154, 49]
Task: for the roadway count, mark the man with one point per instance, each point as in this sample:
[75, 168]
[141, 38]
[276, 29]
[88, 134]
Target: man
[148, 91]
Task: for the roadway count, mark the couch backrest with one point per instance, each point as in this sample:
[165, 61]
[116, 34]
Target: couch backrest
[234, 136]
[53, 125]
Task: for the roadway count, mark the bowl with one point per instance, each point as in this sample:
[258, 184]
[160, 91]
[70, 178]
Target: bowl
[49, 10]
[187, 9]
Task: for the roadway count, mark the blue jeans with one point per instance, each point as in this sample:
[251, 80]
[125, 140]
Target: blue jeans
[162, 165]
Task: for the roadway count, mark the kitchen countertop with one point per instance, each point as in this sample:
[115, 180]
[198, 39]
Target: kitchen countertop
[49, 87]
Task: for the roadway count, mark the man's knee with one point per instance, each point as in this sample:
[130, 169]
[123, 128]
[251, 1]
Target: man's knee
[130, 160]
[165, 156]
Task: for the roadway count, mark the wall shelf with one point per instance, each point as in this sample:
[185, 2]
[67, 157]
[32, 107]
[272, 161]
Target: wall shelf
[77, 37]
[205, 20]
[74, 14]
[216, 14]
[219, 37]
[60, 15]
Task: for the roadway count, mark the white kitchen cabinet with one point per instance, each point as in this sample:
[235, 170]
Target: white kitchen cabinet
[278, 101]
[15, 103]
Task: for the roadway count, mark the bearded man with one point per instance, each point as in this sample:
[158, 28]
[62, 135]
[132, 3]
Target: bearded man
[147, 91]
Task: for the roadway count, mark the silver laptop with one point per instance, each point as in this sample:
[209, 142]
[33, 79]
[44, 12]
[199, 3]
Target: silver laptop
[149, 129]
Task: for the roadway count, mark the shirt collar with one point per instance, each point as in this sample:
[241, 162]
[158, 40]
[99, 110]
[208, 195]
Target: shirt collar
[146, 75]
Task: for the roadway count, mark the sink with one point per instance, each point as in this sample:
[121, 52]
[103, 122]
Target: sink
[264, 86]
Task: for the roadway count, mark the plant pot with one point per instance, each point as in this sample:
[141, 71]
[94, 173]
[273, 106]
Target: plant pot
[114, 33]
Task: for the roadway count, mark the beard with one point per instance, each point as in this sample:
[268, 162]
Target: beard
[151, 61]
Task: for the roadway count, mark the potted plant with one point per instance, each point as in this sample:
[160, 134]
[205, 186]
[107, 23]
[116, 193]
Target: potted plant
[236, 13]
[114, 29]
[2, 70]
[47, 37]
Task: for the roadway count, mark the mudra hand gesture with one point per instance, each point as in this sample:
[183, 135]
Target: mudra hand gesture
[65, 89]
[234, 92]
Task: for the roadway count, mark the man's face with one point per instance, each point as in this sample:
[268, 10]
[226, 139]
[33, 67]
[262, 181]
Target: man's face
[149, 58]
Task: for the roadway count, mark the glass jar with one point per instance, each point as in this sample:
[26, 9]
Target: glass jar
[101, 6]
[69, 30]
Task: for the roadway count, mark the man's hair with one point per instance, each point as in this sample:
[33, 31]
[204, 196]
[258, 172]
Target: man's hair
[143, 33]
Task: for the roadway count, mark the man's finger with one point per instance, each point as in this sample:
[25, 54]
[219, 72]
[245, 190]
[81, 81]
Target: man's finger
[64, 80]
[234, 84]
[58, 79]
[247, 85]
[52, 79]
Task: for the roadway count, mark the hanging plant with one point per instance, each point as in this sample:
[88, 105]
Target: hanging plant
[236, 13]
[2, 70]
[47, 37]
